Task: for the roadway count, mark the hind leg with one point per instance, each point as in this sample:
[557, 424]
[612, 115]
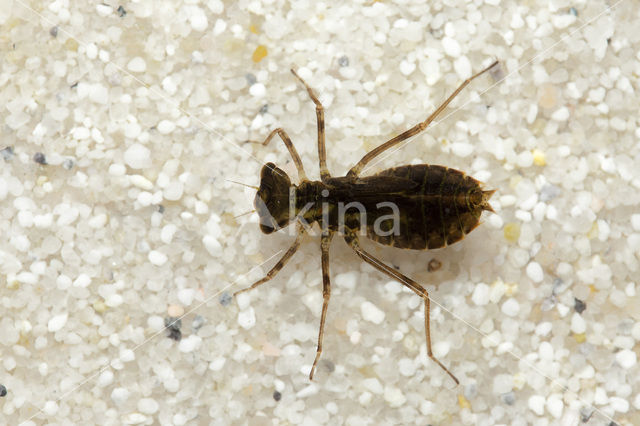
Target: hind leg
[352, 240]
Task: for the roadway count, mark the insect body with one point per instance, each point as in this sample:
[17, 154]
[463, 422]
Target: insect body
[414, 207]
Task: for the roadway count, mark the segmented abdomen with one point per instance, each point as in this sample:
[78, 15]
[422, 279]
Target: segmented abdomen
[438, 211]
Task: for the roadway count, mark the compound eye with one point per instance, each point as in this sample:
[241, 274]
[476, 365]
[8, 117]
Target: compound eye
[266, 229]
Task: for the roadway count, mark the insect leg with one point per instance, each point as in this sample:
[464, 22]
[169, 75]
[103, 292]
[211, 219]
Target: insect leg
[355, 170]
[322, 153]
[292, 149]
[283, 261]
[353, 241]
[326, 293]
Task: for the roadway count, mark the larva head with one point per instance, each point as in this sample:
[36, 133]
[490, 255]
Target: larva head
[272, 199]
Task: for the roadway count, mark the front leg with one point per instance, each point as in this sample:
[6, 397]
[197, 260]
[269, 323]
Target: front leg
[290, 147]
[280, 264]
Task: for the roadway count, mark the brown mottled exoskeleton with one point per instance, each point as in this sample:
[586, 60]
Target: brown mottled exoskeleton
[434, 206]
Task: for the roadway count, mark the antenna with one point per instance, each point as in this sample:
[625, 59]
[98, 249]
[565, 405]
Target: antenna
[243, 214]
[243, 184]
